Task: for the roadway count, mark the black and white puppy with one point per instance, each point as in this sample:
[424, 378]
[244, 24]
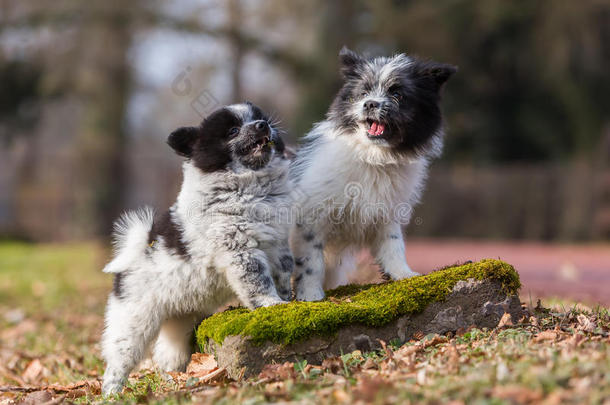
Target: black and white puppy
[223, 238]
[359, 173]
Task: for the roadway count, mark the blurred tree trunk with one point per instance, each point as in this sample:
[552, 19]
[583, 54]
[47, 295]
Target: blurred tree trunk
[103, 81]
[237, 47]
[71, 179]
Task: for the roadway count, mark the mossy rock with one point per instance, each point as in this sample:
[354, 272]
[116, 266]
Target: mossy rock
[357, 316]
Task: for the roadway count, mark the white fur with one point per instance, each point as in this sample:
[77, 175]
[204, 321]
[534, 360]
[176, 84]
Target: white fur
[130, 233]
[351, 193]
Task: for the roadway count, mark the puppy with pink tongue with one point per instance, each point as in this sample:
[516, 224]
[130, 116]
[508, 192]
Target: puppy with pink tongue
[359, 173]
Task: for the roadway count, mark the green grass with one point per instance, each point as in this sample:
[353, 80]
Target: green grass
[49, 276]
[370, 305]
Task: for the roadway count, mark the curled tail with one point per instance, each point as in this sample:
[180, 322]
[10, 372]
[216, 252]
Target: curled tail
[130, 238]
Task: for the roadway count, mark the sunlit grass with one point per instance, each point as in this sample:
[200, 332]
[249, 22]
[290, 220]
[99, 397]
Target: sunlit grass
[48, 276]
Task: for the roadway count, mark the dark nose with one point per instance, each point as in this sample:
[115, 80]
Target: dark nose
[371, 105]
[261, 125]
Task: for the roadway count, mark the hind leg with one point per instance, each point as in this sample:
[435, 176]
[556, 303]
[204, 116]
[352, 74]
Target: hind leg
[343, 264]
[127, 336]
[174, 345]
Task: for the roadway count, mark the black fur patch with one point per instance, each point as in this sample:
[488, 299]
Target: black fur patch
[182, 140]
[164, 226]
[117, 285]
[385, 276]
[266, 282]
[211, 151]
[308, 236]
[255, 266]
[308, 271]
[287, 263]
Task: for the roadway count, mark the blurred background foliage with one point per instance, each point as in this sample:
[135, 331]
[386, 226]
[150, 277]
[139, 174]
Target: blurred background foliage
[89, 91]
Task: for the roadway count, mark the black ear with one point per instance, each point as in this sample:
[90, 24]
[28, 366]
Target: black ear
[349, 61]
[183, 139]
[441, 72]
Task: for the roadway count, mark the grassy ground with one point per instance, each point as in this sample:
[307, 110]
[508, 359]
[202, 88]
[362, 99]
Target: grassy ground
[51, 306]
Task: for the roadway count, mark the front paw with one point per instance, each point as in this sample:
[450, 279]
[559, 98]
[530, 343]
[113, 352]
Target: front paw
[399, 271]
[310, 294]
[285, 293]
[270, 301]
[406, 274]
[111, 388]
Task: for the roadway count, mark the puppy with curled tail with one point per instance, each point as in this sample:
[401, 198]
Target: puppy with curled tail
[225, 237]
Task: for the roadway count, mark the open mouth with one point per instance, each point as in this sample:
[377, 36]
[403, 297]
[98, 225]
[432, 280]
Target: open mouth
[262, 144]
[375, 128]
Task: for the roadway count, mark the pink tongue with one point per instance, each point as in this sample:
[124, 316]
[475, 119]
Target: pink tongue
[373, 129]
[380, 129]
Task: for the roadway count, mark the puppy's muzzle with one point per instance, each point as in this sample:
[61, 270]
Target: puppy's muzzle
[260, 132]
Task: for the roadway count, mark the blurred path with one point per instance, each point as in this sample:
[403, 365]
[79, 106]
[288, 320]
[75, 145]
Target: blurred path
[579, 272]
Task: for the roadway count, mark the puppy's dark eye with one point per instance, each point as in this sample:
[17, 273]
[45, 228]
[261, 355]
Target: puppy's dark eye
[363, 94]
[233, 131]
[397, 96]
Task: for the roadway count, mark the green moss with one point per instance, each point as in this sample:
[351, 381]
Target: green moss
[372, 305]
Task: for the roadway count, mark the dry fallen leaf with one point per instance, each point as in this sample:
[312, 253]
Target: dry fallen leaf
[516, 394]
[585, 324]
[37, 397]
[340, 396]
[201, 365]
[215, 375]
[453, 357]
[576, 340]
[436, 339]
[76, 393]
[545, 335]
[33, 371]
[333, 364]
[368, 387]
[506, 320]
[89, 386]
[275, 389]
[460, 332]
[275, 372]
[406, 351]
[370, 364]
[418, 335]
[387, 349]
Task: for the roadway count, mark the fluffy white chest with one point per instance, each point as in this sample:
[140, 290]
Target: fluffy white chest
[354, 192]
